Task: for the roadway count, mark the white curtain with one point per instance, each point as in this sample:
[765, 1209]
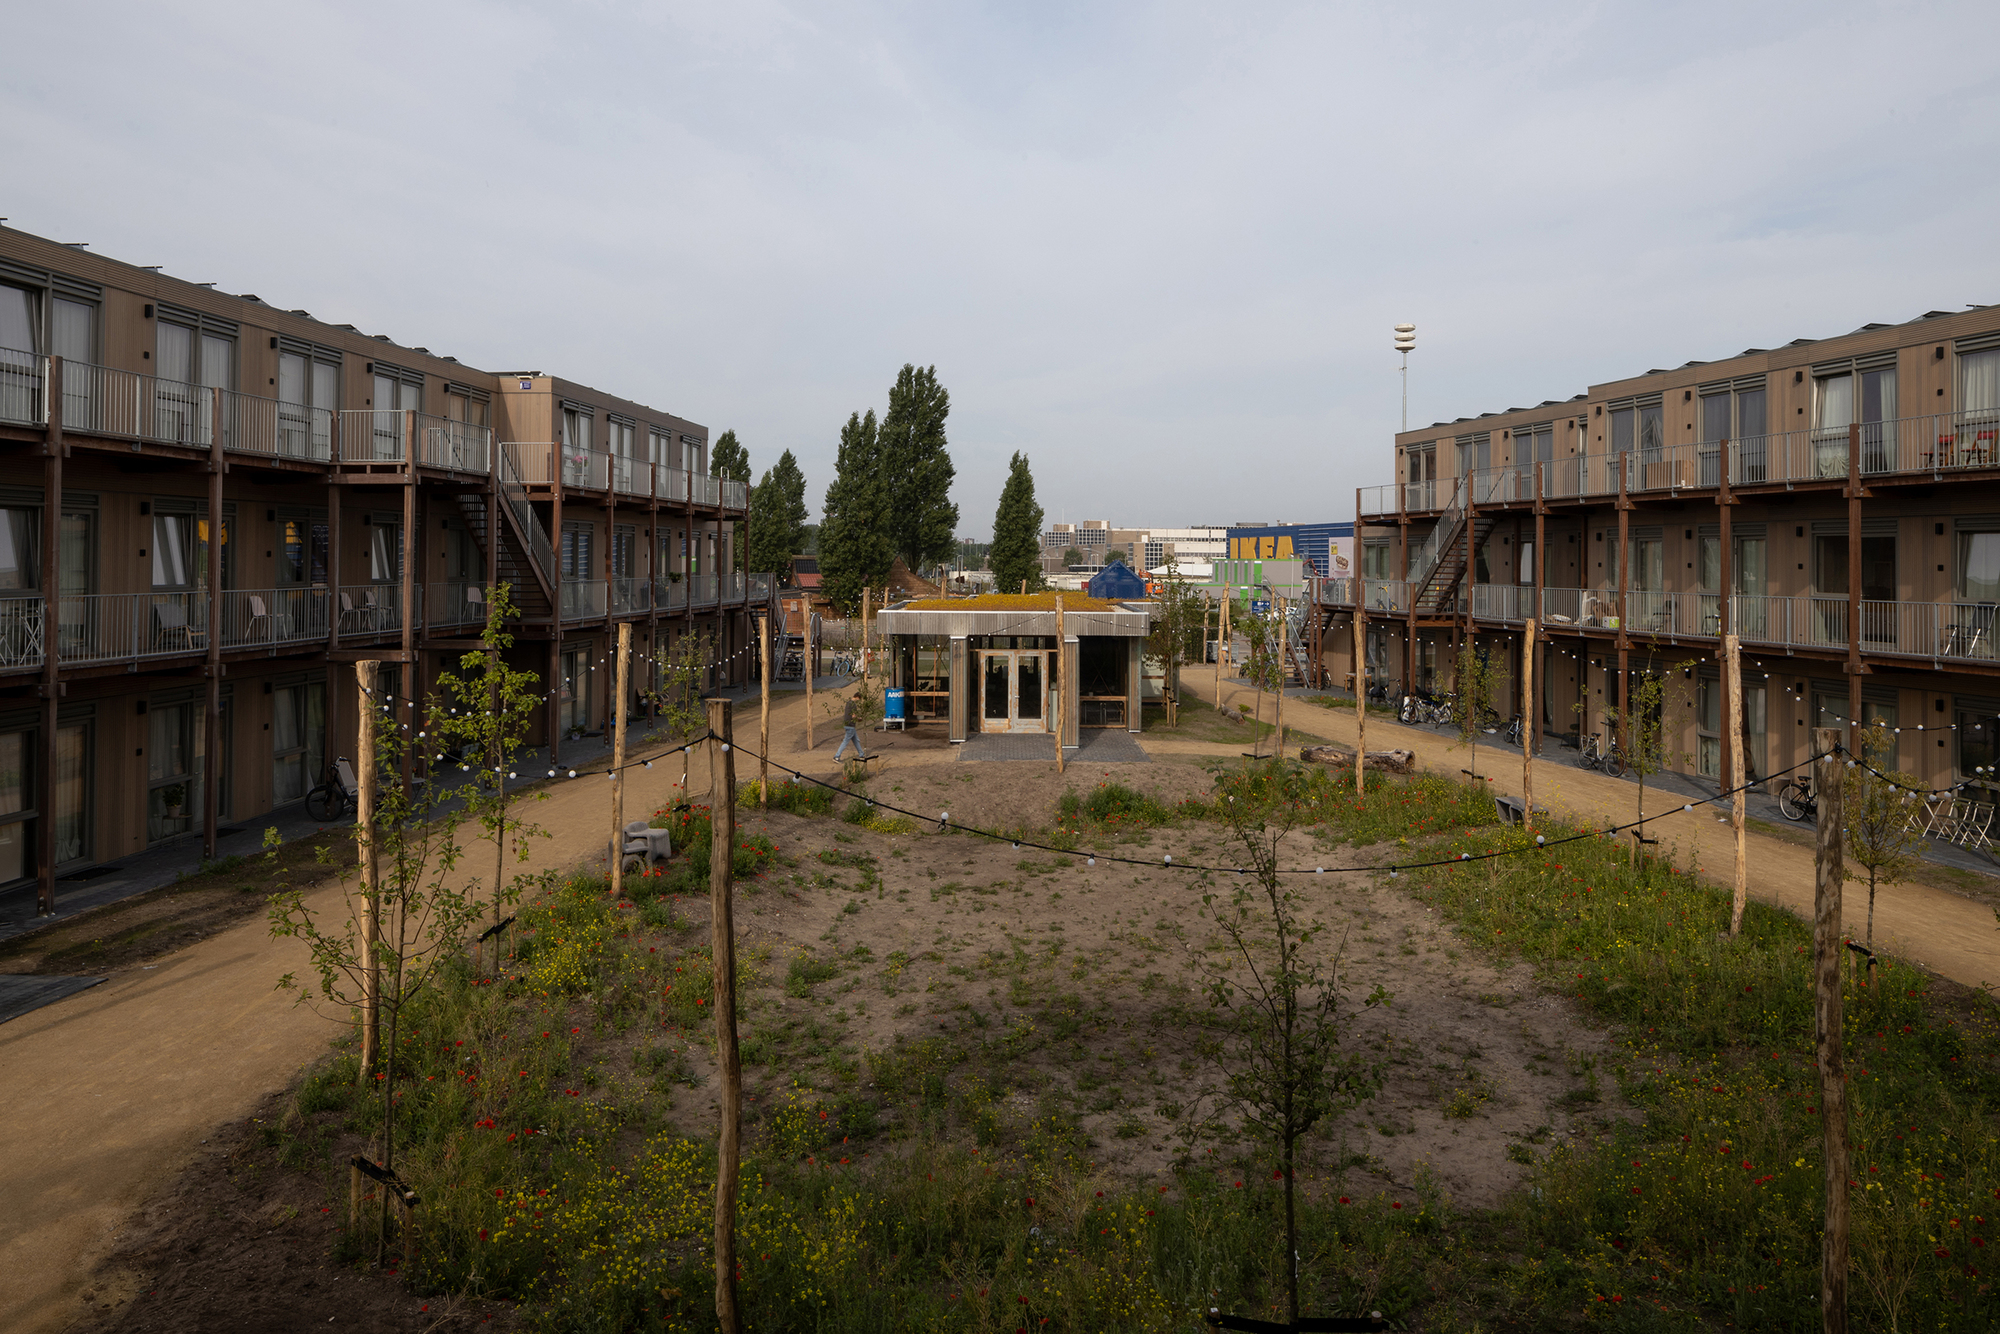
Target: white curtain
[17, 319]
[1834, 409]
[1978, 379]
[73, 330]
[173, 544]
[1979, 567]
[20, 541]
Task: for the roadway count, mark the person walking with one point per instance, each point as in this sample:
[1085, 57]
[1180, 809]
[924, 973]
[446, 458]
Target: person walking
[848, 719]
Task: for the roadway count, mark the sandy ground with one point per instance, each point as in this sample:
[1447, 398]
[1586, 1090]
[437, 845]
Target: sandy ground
[113, 1091]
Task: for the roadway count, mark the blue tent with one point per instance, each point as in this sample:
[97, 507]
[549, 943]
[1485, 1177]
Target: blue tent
[1115, 583]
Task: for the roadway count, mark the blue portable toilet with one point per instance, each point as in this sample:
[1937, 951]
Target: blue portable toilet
[1115, 583]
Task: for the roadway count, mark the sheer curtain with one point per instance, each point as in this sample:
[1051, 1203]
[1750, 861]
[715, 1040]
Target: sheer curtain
[1978, 382]
[20, 550]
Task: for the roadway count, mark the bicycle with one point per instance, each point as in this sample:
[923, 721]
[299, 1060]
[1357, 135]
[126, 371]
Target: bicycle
[1596, 755]
[333, 798]
[1514, 730]
[1797, 801]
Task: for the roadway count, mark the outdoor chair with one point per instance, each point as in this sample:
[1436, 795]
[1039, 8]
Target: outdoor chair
[1975, 825]
[171, 629]
[647, 844]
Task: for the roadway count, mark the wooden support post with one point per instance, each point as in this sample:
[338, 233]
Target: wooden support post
[764, 712]
[370, 865]
[413, 548]
[1533, 721]
[1060, 654]
[722, 850]
[621, 682]
[1732, 686]
[1855, 670]
[865, 595]
[1624, 576]
[1527, 726]
[809, 657]
[211, 762]
[1360, 679]
[1827, 950]
[51, 686]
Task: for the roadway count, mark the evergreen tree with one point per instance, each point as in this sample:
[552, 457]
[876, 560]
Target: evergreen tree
[778, 516]
[917, 469]
[729, 459]
[854, 549]
[1016, 553]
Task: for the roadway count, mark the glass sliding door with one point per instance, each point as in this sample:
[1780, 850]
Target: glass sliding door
[174, 740]
[72, 812]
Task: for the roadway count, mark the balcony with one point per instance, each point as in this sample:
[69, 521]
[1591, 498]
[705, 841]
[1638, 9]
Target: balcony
[1933, 447]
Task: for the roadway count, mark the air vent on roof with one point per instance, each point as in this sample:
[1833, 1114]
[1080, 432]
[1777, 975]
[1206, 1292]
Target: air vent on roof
[1753, 351]
[1867, 328]
[1686, 364]
[350, 328]
[1936, 314]
[426, 351]
[384, 338]
[452, 360]
[1801, 342]
[304, 315]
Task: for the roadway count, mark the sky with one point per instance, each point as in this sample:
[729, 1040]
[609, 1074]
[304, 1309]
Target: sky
[1159, 249]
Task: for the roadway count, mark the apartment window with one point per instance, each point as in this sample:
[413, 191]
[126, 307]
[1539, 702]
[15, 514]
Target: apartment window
[576, 427]
[302, 550]
[1524, 565]
[573, 699]
[385, 552]
[20, 319]
[1475, 453]
[695, 450]
[1978, 564]
[17, 805]
[665, 449]
[465, 405]
[193, 355]
[1847, 393]
[174, 740]
[308, 392]
[576, 551]
[1636, 424]
[1978, 737]
[461, 556]
[181, 545]
[1708, 728]
[395, 392]
[20, 550]
[1375, 559]
[1978, 381]
[624, 551]
[622, 440]
[298, 732]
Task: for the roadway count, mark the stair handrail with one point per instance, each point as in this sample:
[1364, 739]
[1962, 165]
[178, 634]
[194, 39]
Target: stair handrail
[515, 493]
[1426, 557]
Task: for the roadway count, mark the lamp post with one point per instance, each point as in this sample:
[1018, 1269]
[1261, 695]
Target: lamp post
[1406, 339]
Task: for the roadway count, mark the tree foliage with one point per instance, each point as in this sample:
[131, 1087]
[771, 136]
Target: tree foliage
[729, 459]
[917, 470]
[1016, 554]
[854, 548]
[1480, 678]
[1180, 614]
[777, 517]
[1883, 844]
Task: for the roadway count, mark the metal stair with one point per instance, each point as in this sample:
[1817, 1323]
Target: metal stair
[1438, 569]
[528, 592]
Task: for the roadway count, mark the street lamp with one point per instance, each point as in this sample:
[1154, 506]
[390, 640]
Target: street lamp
[1406, 339]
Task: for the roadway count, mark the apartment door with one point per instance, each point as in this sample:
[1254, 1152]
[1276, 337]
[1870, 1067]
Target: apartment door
[1013, 690]
[1752, 618]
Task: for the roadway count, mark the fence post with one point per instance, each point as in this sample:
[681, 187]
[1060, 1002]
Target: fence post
[622, 682]
[1827, 950]
[1732, 676]
[1527, 728]
[764, 712]
[722, 850]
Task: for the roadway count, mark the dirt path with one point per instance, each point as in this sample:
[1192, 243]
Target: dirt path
[1947, 933]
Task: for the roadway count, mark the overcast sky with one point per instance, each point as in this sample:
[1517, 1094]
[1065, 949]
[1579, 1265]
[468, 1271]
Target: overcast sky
[1157, 247]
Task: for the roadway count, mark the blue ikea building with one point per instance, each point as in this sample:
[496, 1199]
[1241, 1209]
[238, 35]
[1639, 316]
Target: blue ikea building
[1329, 547]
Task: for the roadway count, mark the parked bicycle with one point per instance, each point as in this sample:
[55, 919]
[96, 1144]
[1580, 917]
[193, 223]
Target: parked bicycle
[1514, 730]
[336, 794]
[1608, 758]
[1797, 800]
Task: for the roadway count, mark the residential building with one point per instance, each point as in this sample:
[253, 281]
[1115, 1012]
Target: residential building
[214, 507]
[1834, 503]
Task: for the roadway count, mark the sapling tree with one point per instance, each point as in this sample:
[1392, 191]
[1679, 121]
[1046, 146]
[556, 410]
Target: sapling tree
[423, 911]
[1650, 748]
[1179, 613]
[1276, 998]
[489, 708]
[676, 692]
[1479, 679]
[1264, 664]
[1883, 843]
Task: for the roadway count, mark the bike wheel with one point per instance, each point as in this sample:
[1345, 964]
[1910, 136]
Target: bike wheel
[323, 803]
[1792, 803]
[1614, 764]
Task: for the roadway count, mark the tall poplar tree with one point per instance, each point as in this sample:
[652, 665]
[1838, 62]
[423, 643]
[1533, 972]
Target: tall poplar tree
[777, 516]
[917, 469]
[854, 549]
[731, 461]
[1017, 531]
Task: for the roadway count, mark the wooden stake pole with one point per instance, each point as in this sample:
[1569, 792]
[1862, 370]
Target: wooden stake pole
[622, 682]
[764, 713]
[1360, 684]
[371, 869]
[722, 850]
[1827, 949]
[1284, 666]
[1060, 654]
[865, 594]
[1732, 683]
[808, 672]
[1528, 728]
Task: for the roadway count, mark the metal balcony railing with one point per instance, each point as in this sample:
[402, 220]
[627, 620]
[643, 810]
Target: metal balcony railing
[455, 446]
[20, 632]
[456, 604]
[583, 599]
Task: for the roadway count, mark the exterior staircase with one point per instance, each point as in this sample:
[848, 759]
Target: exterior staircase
[1438, 570]
[530, 591]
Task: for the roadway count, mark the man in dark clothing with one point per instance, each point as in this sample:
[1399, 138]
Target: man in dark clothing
[848, 718]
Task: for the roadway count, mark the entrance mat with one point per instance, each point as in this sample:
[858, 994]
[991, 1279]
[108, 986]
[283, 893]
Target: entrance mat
[21, 992]
[1099, 746]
